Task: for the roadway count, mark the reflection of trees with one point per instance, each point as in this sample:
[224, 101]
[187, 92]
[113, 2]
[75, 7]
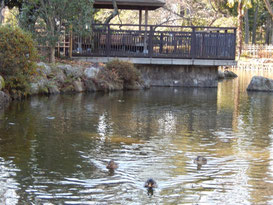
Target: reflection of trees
[259, 122]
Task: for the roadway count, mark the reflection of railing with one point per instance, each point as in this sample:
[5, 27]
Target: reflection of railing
[157, 42]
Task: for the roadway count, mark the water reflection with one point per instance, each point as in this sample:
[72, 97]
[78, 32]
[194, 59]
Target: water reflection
[55, 149]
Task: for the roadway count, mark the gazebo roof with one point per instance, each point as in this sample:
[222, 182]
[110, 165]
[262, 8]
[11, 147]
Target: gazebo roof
[130, 4]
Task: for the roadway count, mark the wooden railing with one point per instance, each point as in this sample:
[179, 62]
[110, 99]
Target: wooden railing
[157, 42]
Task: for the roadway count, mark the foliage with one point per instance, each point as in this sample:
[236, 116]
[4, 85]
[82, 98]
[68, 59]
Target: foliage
[17, 58]
[125, 71]
[47, 19]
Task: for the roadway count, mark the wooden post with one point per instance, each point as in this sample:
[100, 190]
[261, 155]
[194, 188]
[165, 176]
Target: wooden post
[193, 42]
[151, 35]
[70, 41]
[145, 34]
[140, 19]
[108, 41]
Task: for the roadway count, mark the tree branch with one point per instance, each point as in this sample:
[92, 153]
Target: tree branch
[113, 14]
[269, 8]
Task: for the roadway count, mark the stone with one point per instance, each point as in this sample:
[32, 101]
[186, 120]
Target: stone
[68, 89]
[60, 77]
[78, 86]
[91, 72]
[53, 89]
[44, 68]
[71, 71]
[4, 99]
[90, 85]
[221, 74]
[259, 83]
[39, 85]
[2, 82]
[229, 74]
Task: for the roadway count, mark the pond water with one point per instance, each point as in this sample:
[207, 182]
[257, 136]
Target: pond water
[54, 150]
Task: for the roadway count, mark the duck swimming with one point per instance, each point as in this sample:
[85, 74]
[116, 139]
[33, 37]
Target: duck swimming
[200, 161]
[112, 165]
[150, 184]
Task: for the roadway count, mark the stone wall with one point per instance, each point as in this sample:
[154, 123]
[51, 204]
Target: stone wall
[179, 75]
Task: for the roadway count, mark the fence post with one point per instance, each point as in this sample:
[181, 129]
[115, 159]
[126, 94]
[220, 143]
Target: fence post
[151, 35]
[108, 41]
[70, 41]
[193, 43]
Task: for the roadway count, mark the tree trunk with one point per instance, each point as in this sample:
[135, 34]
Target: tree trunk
[246, 27]
[240, 26]
[52, 54]
[113, 14]
[268, 29]
[2, 6]
[271, 32]
[255, 25]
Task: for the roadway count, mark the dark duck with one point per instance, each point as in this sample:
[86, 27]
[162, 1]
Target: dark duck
[150, 184]
[200, 161]
[112, 165]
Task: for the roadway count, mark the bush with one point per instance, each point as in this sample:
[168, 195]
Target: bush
[17, 58]
[125, 71]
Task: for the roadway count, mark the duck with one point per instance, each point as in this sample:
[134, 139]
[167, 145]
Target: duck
[200, 160]
[150, 184]
[112, 165]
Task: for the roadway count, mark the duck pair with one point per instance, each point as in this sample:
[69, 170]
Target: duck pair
[150, 183]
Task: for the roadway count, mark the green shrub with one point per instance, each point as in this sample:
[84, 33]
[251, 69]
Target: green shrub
[125, 71]
[17, 58]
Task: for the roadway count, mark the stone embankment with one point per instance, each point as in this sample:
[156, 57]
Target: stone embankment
[64, 78]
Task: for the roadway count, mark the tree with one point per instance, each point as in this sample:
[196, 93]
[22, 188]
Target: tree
[241, 5]
[2, 5]
[51, 17]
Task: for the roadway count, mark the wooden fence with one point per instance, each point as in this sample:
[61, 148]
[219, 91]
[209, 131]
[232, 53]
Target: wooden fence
[151, 41]
[258, 51]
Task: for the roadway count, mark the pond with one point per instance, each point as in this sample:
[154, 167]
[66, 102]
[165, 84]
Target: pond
[54, 150]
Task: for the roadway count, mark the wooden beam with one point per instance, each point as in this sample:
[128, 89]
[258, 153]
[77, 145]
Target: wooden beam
[145, 35]
[140, 19]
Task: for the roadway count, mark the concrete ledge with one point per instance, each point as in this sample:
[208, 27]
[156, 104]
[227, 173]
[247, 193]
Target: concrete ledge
[161, 61]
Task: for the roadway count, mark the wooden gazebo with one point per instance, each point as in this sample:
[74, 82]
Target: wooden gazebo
[130, 4]
[144, 44]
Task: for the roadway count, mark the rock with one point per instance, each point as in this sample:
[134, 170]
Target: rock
[53, 88]
[78, 86]
[44, 68]
[68, 89]
[229, 74]
[90, 85]
[4, 99]
[259, 83]
[60, 77]
[91, 72]
[134, 86]
[2, 82]
[221, 74]
[71, 71]
[39, 86]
